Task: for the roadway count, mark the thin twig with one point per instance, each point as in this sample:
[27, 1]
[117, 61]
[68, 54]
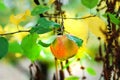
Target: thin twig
[44, 16]
[15, 32]
[56, 65]
[71, 17]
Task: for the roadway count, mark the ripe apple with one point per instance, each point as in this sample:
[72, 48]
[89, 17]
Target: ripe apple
[63, 48]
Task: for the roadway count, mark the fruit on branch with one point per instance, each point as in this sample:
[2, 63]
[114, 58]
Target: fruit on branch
[63, 48]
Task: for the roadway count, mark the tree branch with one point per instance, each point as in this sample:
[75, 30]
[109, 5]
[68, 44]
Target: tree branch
[71, 17]
[44, 16]
[15, 32]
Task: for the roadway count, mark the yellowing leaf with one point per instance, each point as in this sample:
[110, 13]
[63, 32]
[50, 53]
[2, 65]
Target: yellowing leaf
[27, 13]
[1, 30]
[12, 28]
[14, 19]
[81, 52]
[19, 18]
[51, 1]
[117, 6]
[20, 36]
[18, 55]
[96, 26]
[119, 39]
[77, 28]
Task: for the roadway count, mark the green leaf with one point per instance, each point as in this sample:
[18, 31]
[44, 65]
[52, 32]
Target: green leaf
[14, 47]
[40, 30]
[48, 24]
[76, 40]
[44, 26]
[3, 47]
[43, 43]
[91, 71]
[46, 55]
[89, 3]
[113, 19]
[72, 78]
[46, 39]
[30, 48]
[39, 10]
[2, 6]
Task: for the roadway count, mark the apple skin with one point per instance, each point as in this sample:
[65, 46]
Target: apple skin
[63, 48]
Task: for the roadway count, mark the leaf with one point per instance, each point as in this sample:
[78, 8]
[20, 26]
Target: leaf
[2, 6]
[46, 39]
[40, 30]
[16, 19]
[89, 3]
[48, 24]
[44, 26]
[14, 47]
[30, 48]
[3, 47]
[91, 71]
[39, 9]
[51, 1]
[72, 78]
[76, 40]
[43, 43]
[113, 19]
